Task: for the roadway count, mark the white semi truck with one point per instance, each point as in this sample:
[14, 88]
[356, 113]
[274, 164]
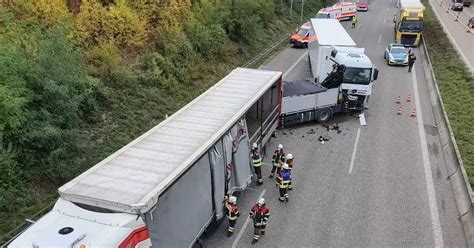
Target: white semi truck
[334, 47]
[342, 78]
[165, 188]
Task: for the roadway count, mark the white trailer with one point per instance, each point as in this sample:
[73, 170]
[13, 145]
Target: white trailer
[167, 186]
[329, 33]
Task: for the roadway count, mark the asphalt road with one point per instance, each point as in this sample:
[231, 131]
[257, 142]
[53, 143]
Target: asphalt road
[382, 185]
[456, 30]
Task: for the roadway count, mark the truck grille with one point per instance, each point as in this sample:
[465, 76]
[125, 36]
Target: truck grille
[408, 39]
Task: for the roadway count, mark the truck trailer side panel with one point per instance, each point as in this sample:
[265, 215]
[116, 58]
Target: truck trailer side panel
[299, 103]
[238, 155]
[184, 211]
[218, 168]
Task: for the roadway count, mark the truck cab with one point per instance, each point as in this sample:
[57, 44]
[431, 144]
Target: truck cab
[409, 22]
[360, 73]
[79, 226]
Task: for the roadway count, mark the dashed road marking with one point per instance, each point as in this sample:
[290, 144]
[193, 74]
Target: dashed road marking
[354, 151]
[236, 241]
[294, 65]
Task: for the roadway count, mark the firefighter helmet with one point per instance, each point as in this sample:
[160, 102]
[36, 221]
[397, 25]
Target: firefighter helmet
[261, 201]
[285, 166]
[280, 147]
[254, 145]
[289, 156]
[232, 199]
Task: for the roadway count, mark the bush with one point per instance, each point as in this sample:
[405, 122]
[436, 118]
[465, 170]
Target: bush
[209, 41]
[117, 24]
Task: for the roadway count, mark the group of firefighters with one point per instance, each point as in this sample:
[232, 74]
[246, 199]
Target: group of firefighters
[282, 164]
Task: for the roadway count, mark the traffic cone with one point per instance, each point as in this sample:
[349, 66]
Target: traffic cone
[398, 100]
[409, 98]
[399, 111]
[413, 113]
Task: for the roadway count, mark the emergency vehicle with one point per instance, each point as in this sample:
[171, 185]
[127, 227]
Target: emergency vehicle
[302, 36]
[339, 11]
[362, 5]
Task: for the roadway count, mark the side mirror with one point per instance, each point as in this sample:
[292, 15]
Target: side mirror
[376, 74]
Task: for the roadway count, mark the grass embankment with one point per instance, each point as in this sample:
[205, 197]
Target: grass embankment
[134, 88]
[456, 85]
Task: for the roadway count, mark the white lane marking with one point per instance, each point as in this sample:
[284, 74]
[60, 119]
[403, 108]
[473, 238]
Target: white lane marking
[384, 19]
[294, 65]
[358, 27]
[355, 151]
[437, 233]
[380, 38]
[236, 241]
[388, 9]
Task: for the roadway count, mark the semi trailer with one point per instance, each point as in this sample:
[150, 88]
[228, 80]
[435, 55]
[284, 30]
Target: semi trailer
[166, 188]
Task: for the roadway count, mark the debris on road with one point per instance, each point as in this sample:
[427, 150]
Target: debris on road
[333, 127]
[362, 119]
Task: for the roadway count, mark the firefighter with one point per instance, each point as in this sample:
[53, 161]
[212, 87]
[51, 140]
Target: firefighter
[284, 180]
[259, 214]
[257, 163]
[354, 21]
[232, 212]
[289, 161]
[277, 160]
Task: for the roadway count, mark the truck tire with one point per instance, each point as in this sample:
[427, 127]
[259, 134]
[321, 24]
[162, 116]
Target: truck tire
[324, 115]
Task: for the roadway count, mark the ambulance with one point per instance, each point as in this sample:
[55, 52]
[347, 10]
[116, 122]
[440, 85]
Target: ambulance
[302, 36]
[339, 11]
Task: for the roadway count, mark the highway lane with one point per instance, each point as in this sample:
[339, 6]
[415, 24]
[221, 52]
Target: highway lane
[462, 40]
[383, 199]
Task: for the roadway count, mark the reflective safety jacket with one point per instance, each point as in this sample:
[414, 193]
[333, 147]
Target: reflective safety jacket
[260, 215]
[231, 210]
[284, 178]
[256, 159]
[278, 158]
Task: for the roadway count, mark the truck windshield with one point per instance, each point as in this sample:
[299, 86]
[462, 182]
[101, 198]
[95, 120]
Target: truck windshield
[357, 75]
[411, 26]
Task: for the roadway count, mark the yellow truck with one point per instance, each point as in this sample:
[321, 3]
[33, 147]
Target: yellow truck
[409, 22]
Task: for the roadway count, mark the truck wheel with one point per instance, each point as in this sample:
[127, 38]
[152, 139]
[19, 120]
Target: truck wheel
[324, 115]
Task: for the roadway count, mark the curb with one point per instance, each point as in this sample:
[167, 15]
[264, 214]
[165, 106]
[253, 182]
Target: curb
[462, 191]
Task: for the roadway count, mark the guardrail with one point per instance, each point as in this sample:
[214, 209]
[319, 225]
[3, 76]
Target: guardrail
[265, 52]
[462, 190]
[447, 8]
